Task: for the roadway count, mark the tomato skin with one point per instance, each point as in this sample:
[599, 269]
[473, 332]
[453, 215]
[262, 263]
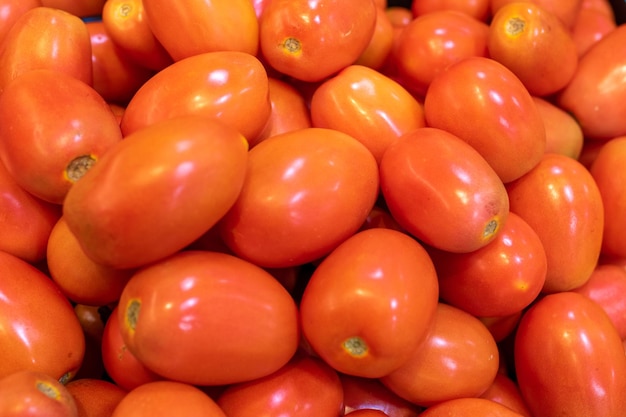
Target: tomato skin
[95, 397]
[377, 50]
[469, 407]
[478, 9]
[384, 304]
[369, 106]
[565, 10]
[566, 340]
[592, 23]
[506, 392]
[223, 85]
[11, 11]
[208, 318]
[332, 186]
[507, 130]
[370, 394]
[435, 165]
[563, 133]
[560, 200]
[43, 335]
[83, 8]
[200, 167]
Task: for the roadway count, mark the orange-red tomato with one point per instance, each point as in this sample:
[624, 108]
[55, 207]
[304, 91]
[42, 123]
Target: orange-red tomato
[208, 318]
[361, 393]
[365, 316]
[81, 8]
[566, 340]
[478, 9]
[186, 170]
[305, 192]
[506, 392]
[563, 133]
[470, 407]
[92, 320]
[503, 326]
[457, 202]
[459, 359]
[535, 45]
[560, 200]
[565, 10]
[221, 85]
[11, 10]
[592, 23]
[306, 386]
[367, 105]
[485, 104]
[40, 331]
[364, 412]
[95, 397]
[312, 40]
[399, 16]
[60, 39]
[377, 50]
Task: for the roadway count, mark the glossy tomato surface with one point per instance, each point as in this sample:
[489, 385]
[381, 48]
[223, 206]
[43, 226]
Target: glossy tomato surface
[95, 397]
[361, 393]
[12, 10]
[470, 407]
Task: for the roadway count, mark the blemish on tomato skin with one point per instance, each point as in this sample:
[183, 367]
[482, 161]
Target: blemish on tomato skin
[132, 314]
[355, 347]
[79, 167]
[291, 46]
[515, 26]
[48, 390]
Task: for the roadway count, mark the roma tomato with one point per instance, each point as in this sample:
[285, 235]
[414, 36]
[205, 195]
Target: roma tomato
[221, 85]
[305, 192]
[312, 40]
[42, 334]
[95, 397]
[560, 200]
[457, 202]
[459, 359]
[188, 170]
[478, 9]
[593, 22]
[83, 8]
[365, 316]
[377, 50]
[11, 10]
[208, 318]
[367, 105]
[470, 407]
[564, 10]
[306, 386]
[370, 394]
[506, 127]
[566, 340]
[506, 392]
[563, 133]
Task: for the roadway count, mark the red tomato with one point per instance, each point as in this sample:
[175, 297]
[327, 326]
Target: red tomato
[364, 412]
[311, 40]
[506, 392]
[11, 10]
[377, 50]
[469, 407]
[457, 202]
[40, 331]
[365, 316]
[60, 39]
[501, 327]
[564, 341]
[380, 217]
[27, 393]
[305, 386]
[478, 9]
[53, 104]
[222, 85]
[305, 192]
[563, 133]
[208, 318]
[506, 127]
[367, 105]
[82, 8]
[459, 359]
[188, 170]
[370, 394]
[591, 25]
[561, 202]
[565, 10]
[95, 397]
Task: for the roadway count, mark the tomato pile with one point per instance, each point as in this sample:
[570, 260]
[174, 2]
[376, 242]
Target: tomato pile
[312, 208]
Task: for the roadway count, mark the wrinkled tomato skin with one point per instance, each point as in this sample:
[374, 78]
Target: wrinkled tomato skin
[208, 318]
[470, 407]
[396, 284]
[566, 340]
[370, 394]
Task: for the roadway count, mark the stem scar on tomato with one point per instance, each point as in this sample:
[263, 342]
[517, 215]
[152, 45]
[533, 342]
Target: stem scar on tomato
[292, 46]
[78, 167]
[491, 228]
[48, 390]
[66, 377]
[132, 313]
[355, 346]
[515, 26]
[125, 9]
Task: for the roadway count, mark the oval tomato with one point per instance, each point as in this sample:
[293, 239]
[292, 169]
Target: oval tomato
[12, 10]
[470, 407]
[370, 394]
[83, 8]
[565, 10]
[95, 397]
[594, 21]
[377, 50]
[563, 133]
[506, 392]
[478, 9]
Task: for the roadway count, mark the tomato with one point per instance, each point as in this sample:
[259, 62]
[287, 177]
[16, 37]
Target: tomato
[608, 174]
[478, 9]
[29, 393]
[369, 106]
[380, 217]
[596, 95]
[91, 319]
[370, 394]
[501, 327]
[458, 359]
[565, 10]
[563, 133]
[167, 398]
[469, 407]
[560, 200]
[60, 39]
[306, 386]
[564, 341]
[592, 24]
[506, 392]
[222, 85]
[82, 8]
[305, 192]
[312, 40]
[535, 45]
[208, 318]
[95, 397]
[188, 170]
[42, 334]
[365, 316]
[457, 202]
[377, 50]
[506, 127]
[11, 10]
[399, 16]
[499, 279]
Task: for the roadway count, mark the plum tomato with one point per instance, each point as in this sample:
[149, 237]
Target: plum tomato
[366, 315]
[470, 407]
[505, 391]
[83, 8]
[95, 397]
[592, 23]
[12, 10]
[156, 192]
[442, 191]
[563, 133]
[377, 50]
[361, 393]
[565, 10]
[478, 9]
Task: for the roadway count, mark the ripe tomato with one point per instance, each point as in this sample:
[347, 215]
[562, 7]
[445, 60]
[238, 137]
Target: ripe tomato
[367, 105]
[311, 40]
[369, 393]
[506, 127]
[91, 319]
[42, 334]
[469, 407]
[377, 50]
[305, 192]
[506, 392]
[95, 397]
[188, 170]
[222, 85]
[305, 386]
[478, 9]
[364, 412]
[563, 133]
[565, 10]
[82, 8]
[365, 316]
[501, 327]
[11, 10]
[208, 318]
[457, 202]
[564, 341]
[560, 200]
[459, 359]
[592, 23]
